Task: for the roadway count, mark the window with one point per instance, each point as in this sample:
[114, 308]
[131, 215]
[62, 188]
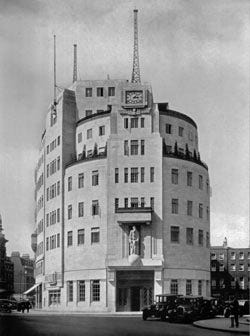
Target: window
[152, 203]
[58, 188]
[70, 290]
[168, 128]
[81, 290]
[69, 183]
[242, 283]
[134, 147]
[125, 175]
[174, 286]
[88, 92]
[200, 287]
[233, 268]
[188, 287]
[79, 137]
[99, 111]
[175, 232]
[221, 256]
[47, 194]
[213, 267]
[207, 186]
[241, 255]
[70, 238]
[190, 236]
[175, 175]
[248, 255]
[125, 122]
[213, 283]
[99, 92]
[134, 203]
[189, 178]
[208, 213]
[207, 240]
[142, 122]
[142, 147]
[189, 208]
[89, 133]
[102, 130]
[95, 290]
[200, 210]
[58, 240]
[47, 243]
[142, 202]
[54, 296]
[142, 174]
[48, 149]
[241, 267]
[134, 175]
[200, 238]
[116, 175]
[116, 203]
[200, 182]
[233, 255]
[80, 237]
[58, 140]
[95, 235]
[80, 209]
[80, 180]
[126, 202]
[213, 256]
[221, 268]
[152, 174]
[88, 113]
[70, 211]
[111, 91]
[47, 219]
[181, 129]
[126, 148]
[47, 170]
[174, 206]
[134, 122]
[95, 178]
[95, 208]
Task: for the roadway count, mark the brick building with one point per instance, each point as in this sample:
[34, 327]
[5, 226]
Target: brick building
[230, 271]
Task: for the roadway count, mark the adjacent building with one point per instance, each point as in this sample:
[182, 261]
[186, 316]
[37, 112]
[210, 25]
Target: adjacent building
[122, 200]
[230, 271]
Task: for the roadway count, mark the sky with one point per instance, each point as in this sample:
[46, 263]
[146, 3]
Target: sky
[195, 54]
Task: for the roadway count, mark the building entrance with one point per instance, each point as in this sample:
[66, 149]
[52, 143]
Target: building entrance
[134, 290]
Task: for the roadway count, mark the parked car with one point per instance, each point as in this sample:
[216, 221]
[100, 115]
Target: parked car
[5, 306]
[243, 307]
[164, 302]
[187, 309]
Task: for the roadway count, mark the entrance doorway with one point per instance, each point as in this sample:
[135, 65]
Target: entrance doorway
[135, 298]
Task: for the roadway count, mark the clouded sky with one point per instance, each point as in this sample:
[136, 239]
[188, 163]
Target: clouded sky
[195, 54]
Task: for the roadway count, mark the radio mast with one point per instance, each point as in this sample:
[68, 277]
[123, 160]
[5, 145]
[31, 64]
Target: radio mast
[53, 107]
[136, 68]
[75, 64]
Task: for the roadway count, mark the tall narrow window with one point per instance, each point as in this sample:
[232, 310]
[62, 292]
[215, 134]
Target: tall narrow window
[89, 133]
[70, 291]
[152, 203]
[134, 147]
[134, 175]
[102, 130]
[142, 174]
[200, 287]
[79, 137]
[80, 209]
[95, 178]
[175, 205]
[95, 235]
[142, 147]
[189, 236]
[200, 210]
[58, 240]
[58, 162]
[189, 287]
[142, 122]
[175, 176]
[70, 211]
[125, 202]
[70, 238]
[111, 91]
[95, 207]
[134, 122]
[116, 203]
[125, 175]
[126, 123]
[80, 180]
[80, 237]
[168, 128]
[189, 208]
[99, 92]
[69, 183]
[189, 178]
[95, 290]
[208, 213]
[134, 202]
[81, 290]
[152, 174]
[142, 202]
[88, 92]
[58, 188]
[181, 129]
[200, 238]
[174, 234]
[126, 148]
[174, 286]
[116, 175]
[200, 182]
[58, 215]
[207, 240]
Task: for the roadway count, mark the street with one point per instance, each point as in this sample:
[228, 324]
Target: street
[17, 325]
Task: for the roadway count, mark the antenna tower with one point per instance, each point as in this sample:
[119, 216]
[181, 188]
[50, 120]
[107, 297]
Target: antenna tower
[75, 64]
[53, 107]
[136, 68]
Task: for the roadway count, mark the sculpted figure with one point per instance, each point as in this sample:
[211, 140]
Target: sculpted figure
[133, 240]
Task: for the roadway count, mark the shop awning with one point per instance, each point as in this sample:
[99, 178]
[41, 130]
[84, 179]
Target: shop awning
[31, 288]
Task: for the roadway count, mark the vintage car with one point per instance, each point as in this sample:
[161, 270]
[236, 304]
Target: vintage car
[187, 309]
[5, 306]
[164, 302]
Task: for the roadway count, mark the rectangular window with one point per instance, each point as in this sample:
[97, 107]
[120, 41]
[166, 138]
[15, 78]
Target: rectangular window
[200, 210]
[88, 92]
[142, 147]
[70, 290]
[70, 238]
[111, 91]
[102, 130]
[175, 175]
[174, 286]
[47, 170]
[190, 236]
[221, 268]
[189, 208]
[134, 122]
[116, 203]
[58, 240]
[116, 175]
[58, 188]
[142, 174]
[168, 128]
[213, 256]
[47, 243]
[200, 238]
[142, 122]
[208, 213]
[126, 123]
[189, 178]
[207, 240]
[126, 148]
[95, 235]
[200, 182]
[134, 147]
[88, 113]
[47, 219]
[233, 255]
[95, 207]
[188, 287]
[99, 92]
[81, 290]
[152, 203]
[175, 205]
[175, 233]
[213, 283]
[69, 183]
[95, 177]
[58, 140]
[47, 194]
[126, 202]
[241, 267]
[152, 174]
[181, 129]
[142, 202]
[95, 290]
[241, 255]
[80, 209]
[125, 175]
[80, 237]
[134, 202]
[221, 256]
[81, 180]
[89, 133]
[48, 149]
[134, 173]
[200, 287]
[79, 137]
[233, 268]
[70, 211]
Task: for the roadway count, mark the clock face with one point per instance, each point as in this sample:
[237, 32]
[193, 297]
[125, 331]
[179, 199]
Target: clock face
[134, 97]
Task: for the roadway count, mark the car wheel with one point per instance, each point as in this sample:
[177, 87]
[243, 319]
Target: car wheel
[144, 316]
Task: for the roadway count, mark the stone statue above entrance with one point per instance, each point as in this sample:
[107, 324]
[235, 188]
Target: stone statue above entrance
[133, 241]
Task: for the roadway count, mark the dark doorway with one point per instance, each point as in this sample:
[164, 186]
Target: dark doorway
[135, 298]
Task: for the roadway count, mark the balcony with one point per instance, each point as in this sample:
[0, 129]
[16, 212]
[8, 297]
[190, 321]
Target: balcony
[134, 215]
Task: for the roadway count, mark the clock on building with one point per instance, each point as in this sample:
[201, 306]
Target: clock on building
[134, 97]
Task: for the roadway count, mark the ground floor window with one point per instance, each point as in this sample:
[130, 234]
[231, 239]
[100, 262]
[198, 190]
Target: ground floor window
[81, 290]
[199, 287]
[54, 297]
[95, 290]
[189, 287]
[174, 286]
[70, 290]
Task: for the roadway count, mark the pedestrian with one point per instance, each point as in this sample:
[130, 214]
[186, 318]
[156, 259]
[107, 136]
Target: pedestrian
[28, 306]
[235, 312]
